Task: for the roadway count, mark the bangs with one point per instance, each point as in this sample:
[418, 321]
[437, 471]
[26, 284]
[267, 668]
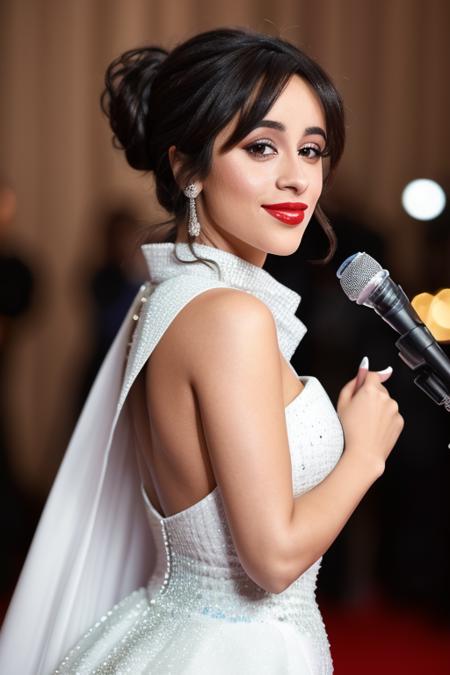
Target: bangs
[266, 88]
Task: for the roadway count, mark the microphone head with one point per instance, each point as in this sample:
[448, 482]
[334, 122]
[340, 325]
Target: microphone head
[356, 272]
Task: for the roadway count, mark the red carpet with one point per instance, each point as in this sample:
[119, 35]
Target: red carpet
[378, 639]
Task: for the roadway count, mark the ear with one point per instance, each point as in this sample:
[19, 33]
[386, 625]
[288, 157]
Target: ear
[177, 162]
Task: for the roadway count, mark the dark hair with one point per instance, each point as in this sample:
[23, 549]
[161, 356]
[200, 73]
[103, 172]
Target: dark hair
[155, 100]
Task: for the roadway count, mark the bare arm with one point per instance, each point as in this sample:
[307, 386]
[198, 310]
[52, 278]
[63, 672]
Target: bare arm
[372, 425]
[233, 360]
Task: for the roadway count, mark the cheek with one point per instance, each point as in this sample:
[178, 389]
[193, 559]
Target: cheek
[234, 181]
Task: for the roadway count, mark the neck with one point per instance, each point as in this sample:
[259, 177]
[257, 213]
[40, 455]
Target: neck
[230, 244]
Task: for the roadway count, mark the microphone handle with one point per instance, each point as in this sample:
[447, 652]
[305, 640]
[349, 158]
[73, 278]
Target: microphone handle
[391, 303]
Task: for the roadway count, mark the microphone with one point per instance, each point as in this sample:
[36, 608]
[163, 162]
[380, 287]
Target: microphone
[365, 282]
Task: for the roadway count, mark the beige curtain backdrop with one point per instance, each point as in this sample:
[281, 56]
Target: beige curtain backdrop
[390, 59]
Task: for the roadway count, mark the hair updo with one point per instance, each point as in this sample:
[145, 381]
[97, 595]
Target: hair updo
[155, 100]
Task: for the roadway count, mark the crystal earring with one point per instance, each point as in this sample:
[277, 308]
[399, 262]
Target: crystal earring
[191, 191]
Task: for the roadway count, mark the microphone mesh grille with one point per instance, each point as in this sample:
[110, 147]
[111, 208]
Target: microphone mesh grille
[358, 273]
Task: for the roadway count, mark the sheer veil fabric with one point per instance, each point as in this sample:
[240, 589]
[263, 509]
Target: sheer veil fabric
[93, 546]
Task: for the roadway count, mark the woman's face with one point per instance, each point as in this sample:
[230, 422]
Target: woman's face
[259, 196]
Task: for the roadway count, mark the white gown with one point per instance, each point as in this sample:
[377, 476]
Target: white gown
[131, 591]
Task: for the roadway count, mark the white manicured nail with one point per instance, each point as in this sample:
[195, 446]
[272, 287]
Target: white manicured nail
[364, 363]
[385, 371]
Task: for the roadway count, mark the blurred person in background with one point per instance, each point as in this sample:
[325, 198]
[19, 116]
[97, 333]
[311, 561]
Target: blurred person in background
[111, 285]
[206, 478]
[16, 279]
[16, 292]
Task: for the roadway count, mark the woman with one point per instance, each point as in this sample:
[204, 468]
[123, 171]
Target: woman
[205, 479]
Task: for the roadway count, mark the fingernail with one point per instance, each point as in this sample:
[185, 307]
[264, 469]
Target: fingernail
[385, 371]
[364, 363]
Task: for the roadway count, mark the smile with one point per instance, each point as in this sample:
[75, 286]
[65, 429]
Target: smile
[291, 213]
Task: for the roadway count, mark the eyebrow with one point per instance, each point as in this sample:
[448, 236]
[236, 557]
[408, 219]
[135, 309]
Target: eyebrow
[271, 124]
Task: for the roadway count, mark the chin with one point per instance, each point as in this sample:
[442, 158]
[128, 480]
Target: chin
[286, 245]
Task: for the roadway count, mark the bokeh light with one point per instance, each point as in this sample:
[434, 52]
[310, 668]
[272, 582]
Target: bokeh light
[423, 199]
[434, 310]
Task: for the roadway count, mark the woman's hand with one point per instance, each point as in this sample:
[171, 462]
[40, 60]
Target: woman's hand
[369, 416]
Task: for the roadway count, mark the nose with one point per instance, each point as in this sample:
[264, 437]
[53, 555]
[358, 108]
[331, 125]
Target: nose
[292, 175]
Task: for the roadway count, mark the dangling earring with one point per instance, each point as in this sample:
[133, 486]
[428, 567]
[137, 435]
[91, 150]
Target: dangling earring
[191, 191]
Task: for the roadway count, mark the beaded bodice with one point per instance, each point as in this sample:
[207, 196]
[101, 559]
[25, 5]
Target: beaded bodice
[197, 567]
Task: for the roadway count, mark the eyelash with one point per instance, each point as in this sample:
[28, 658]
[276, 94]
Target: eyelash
[268, 143]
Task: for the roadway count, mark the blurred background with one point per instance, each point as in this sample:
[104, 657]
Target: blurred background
[71, 212]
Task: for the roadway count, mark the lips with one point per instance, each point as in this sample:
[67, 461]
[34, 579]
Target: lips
[291, 213]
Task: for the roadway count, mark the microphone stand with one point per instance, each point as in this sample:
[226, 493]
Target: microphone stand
[435, 384]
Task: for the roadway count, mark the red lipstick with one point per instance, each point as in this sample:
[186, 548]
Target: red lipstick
[291, 213]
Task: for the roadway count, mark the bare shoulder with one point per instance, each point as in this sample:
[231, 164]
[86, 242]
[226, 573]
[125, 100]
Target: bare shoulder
[218, 322]
[216, 303]
[223, 321]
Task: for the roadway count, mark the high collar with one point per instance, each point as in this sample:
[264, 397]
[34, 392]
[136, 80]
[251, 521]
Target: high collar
[236, 273]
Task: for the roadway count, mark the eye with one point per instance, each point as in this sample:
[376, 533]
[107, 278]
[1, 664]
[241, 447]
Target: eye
[261, 148]
[311, 151]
